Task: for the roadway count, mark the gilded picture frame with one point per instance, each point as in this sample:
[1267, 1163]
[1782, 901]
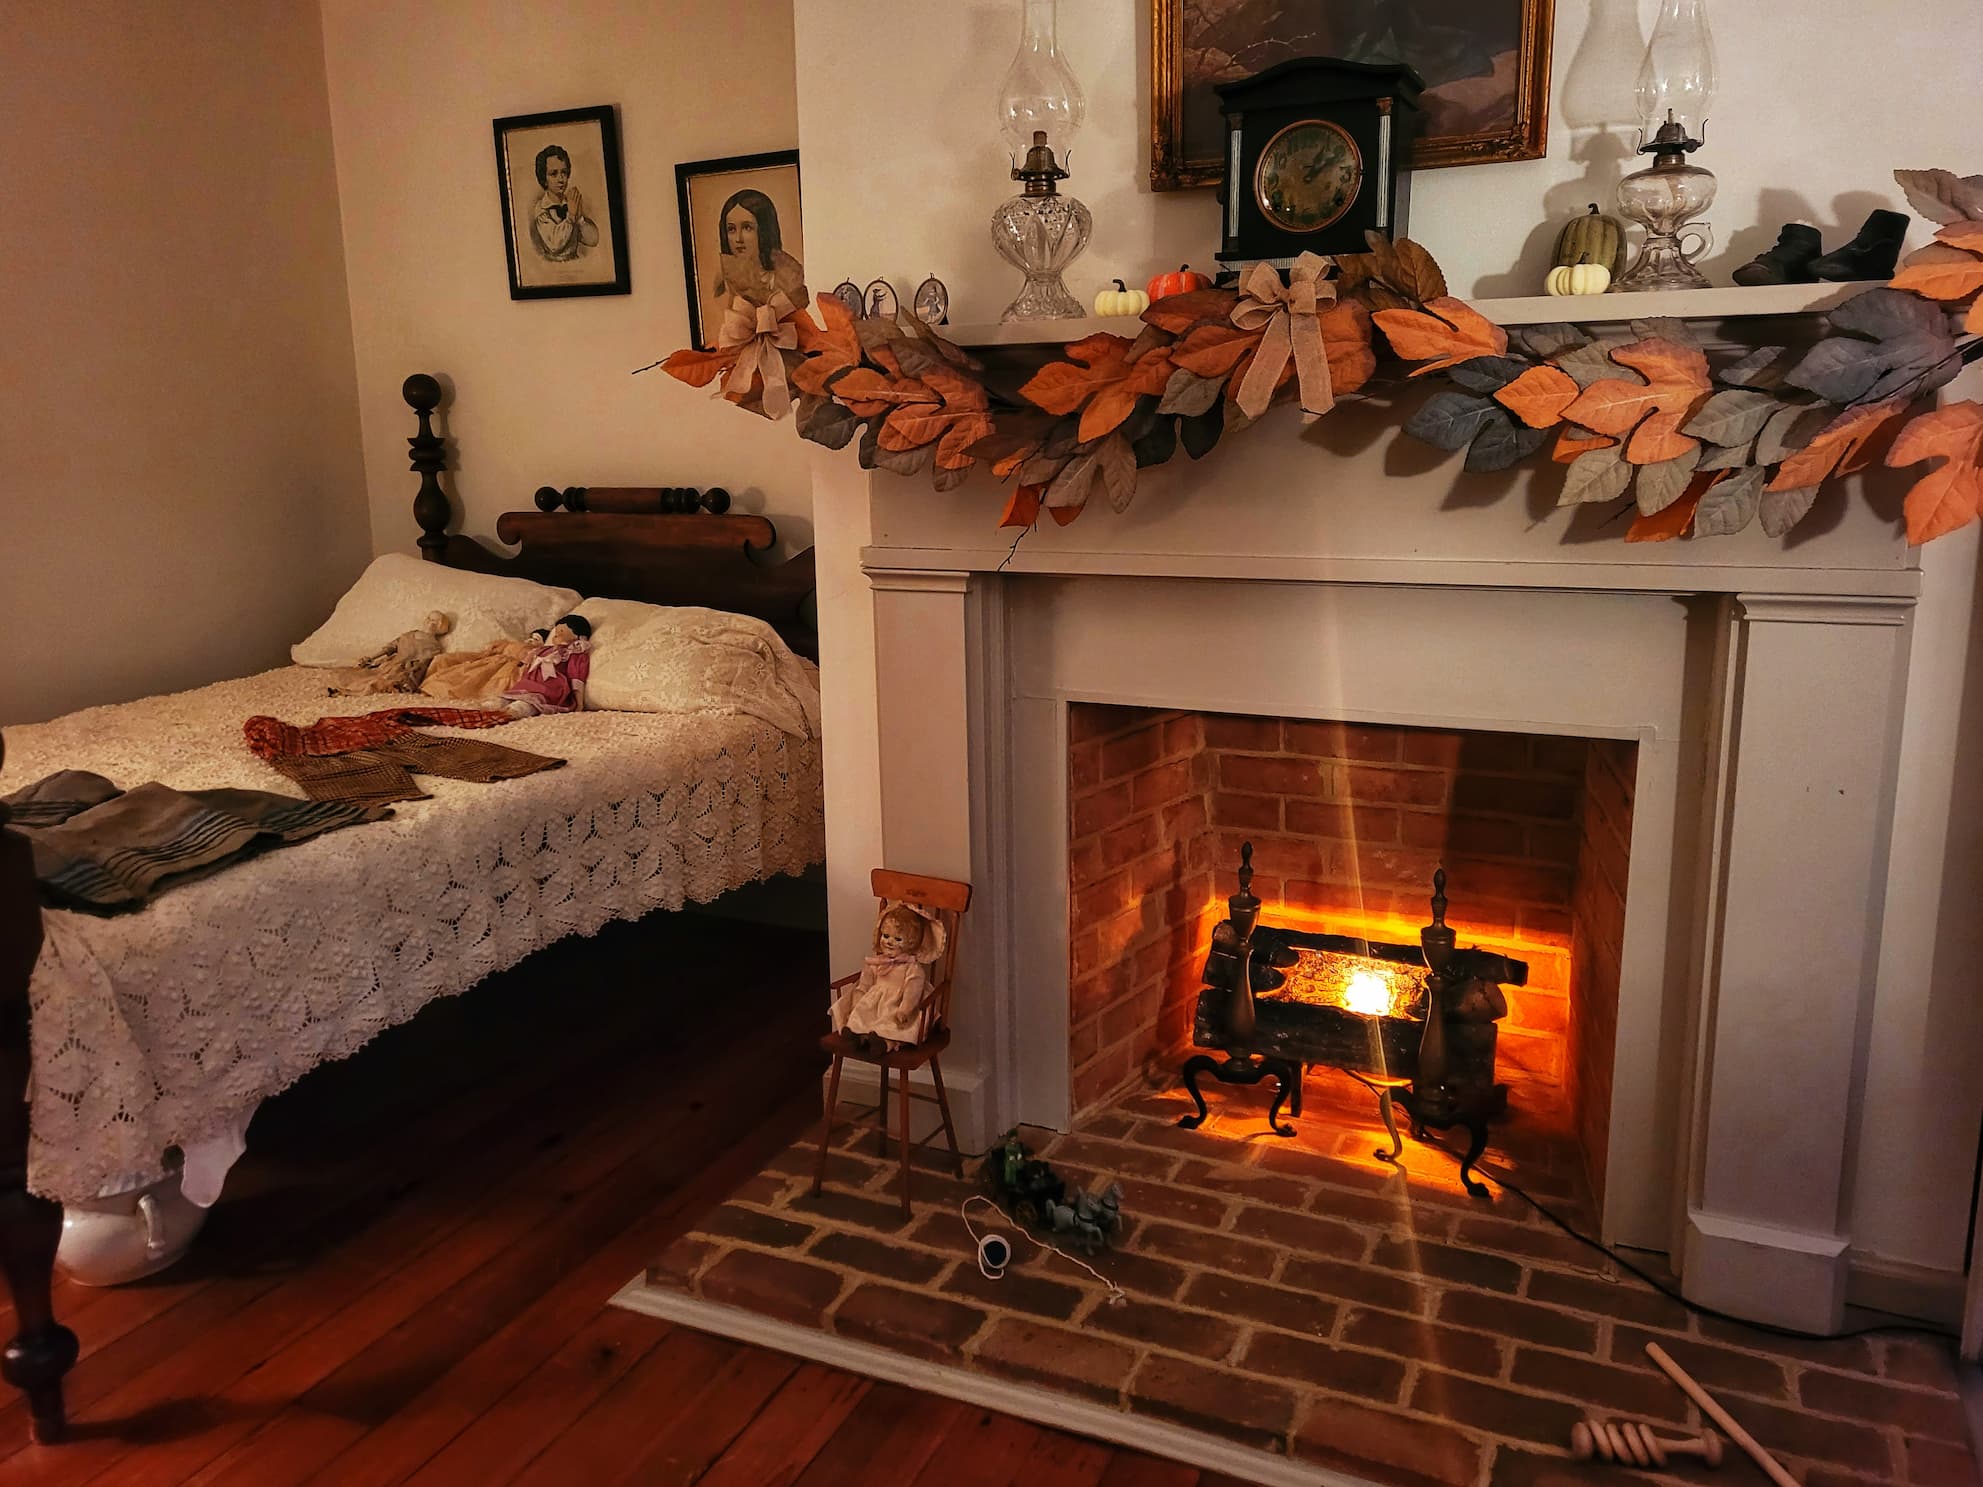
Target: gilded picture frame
[1486, 72]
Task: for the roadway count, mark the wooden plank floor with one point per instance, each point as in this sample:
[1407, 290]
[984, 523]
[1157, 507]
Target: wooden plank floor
[408, 1278]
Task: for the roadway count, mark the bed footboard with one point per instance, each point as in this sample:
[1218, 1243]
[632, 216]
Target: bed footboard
[42, 1350]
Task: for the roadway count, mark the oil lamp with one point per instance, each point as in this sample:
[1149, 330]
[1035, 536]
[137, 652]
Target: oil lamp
[1040, 108]
[1675, 89]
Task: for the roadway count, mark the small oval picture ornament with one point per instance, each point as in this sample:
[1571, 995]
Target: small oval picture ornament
[882, 302]
[1308, 176]
[849, 294]
[932, 302]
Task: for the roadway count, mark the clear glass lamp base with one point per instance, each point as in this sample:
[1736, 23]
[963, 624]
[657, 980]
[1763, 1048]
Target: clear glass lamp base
[1044, 297]
[1660, 265]
[1040, 236]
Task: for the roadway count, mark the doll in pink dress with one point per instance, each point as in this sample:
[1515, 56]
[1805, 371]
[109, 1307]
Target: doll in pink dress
[886, 1005]
[553, 676]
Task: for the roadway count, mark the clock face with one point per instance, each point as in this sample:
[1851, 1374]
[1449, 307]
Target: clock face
[1308, 176]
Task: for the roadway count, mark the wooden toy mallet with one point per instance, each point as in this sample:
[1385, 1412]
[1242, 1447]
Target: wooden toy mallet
[1629, 1443]
[1772, 1468]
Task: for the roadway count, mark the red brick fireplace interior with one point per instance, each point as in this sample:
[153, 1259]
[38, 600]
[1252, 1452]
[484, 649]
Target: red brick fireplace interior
[1348, 822]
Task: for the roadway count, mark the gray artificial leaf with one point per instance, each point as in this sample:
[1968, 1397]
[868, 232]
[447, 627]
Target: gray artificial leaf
[1593, 363]
[1729, 505]
[1486, 374]
[1734, 457]
[1760, 368]
[1041, 469]
[1662, 484]
[1115, 468]
[1790, 428]
[1885, 313]
[824, 421]
[1942, 195]
[903, 461]
[917, 357]
[1157, 446]
[1916, 365]
[1063, 439]
[1449, 420]
[1601, 475]
[1733, 417]
[1070, 487]
[1782, 510]
[948, 480]
[1148, 339]
[1840, 369]
[1504, 443]
[1549, 340]
[1666, 328]
[1190, 394]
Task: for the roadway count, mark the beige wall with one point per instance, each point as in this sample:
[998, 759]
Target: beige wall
[181, 482]
[541, 389]
[1782, 146]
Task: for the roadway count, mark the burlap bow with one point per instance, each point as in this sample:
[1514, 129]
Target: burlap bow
[1288, 311]
[762, 331]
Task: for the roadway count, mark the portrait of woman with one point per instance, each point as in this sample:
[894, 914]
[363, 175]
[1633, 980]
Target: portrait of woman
[740, 236]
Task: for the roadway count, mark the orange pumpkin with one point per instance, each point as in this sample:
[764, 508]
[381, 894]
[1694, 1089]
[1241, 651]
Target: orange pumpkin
[1181, 282]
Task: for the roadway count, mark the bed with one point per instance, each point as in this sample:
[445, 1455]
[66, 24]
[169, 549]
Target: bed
[165, 1028]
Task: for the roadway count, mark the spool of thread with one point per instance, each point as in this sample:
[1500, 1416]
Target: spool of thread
[1629, 1443]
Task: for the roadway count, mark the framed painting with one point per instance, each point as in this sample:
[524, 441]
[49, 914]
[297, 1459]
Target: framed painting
[741, 235]
[564, 212]
[1485, 64]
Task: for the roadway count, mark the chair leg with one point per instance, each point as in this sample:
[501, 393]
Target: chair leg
[943, 1108]
[826, 1124]
[905, 1142]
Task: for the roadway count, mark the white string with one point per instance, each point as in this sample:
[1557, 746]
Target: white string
[1116, 1294]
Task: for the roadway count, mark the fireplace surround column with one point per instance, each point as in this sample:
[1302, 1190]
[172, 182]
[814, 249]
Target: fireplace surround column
[1798, 829]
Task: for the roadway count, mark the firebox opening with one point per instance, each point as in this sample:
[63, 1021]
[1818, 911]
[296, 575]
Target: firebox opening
[1348, 823]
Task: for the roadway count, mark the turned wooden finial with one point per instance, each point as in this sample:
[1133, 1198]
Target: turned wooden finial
[431, 508]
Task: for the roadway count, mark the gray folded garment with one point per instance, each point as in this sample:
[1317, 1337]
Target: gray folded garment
[107, 851]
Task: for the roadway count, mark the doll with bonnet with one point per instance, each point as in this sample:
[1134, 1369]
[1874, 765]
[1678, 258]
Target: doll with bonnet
[886, 1003]
[400, 666]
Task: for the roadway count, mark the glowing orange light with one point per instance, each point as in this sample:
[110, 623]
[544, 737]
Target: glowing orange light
[1367, 995]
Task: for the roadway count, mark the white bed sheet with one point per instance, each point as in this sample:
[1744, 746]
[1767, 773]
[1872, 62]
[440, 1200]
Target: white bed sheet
[161, 1028]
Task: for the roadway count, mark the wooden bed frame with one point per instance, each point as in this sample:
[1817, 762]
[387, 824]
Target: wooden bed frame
[663, 545]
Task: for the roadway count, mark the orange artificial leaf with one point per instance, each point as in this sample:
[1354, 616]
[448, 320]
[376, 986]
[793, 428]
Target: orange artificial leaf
[699, 368]
[1539, 396]
[1214, 350]
[868, 392]
[1452, 332]
[1062, 515]
[954, 426]
[1178, 313]
[1948, 497]
[1839, 448]
[1651, 411]
[1972, 323]
[1108, 408]
[1007, 464]
[1022, 507]
[831, 347]
[1963, 234]
[1572, 443]
[1093, 366]
[1673, 521]
[1346, 342]
[1940, 272]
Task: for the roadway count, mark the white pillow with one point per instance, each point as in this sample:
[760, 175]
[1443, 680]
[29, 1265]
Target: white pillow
[648, 658]
[396, 593]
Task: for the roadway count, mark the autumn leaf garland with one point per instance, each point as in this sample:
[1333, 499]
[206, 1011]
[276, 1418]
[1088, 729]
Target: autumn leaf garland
[1701, 451]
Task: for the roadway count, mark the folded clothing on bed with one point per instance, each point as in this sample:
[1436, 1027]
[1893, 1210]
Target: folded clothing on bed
[106, 851]
[371, 759]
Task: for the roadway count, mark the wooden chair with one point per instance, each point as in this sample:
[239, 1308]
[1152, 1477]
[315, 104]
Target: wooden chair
[948, 900]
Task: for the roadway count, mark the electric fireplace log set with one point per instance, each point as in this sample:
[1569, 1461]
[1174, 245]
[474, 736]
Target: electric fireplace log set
[1413, 1023]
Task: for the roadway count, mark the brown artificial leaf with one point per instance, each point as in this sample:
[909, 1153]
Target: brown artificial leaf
[1947, 497]
[1346, 343]
[1940, 272]
[1189, 394]
[1022, 507]
[700, 368]
[954, 426]
[1972, 323]
[1447, 331]
[1115, 471]
[1942, 195]
[1839, 448]
[1408, 268]
[1064, 515]
[1354, 269]
[1539, 396]
[1214, 350]
[1671, 521]
[1572, 442]
[1962, 235]
[1652, 411]
[1178, 313]
[869, 392]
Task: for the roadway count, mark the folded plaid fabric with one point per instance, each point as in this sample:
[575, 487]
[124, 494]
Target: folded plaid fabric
[271, 738]
[384, 774]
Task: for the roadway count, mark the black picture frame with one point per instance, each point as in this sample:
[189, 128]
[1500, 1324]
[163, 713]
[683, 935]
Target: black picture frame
[589, 140]
[698, 187]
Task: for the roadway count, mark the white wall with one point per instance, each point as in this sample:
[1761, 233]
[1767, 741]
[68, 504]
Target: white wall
[1819, 104]
[181, 482]
[541, 388]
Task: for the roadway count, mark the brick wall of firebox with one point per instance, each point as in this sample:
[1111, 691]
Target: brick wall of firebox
[1347, 822]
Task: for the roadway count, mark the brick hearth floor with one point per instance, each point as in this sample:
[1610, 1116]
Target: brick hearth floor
[1299, 1297]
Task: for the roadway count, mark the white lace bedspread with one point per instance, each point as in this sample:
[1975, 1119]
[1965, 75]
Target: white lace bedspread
[151, 1029]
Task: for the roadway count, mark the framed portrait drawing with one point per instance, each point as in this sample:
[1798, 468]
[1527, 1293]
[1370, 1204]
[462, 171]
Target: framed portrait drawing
[1485, 64]
[741, 235]
[564, 211]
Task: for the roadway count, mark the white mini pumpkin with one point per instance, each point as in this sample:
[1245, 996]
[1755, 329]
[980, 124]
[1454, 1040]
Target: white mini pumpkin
[1121, 300]
[1578, 278]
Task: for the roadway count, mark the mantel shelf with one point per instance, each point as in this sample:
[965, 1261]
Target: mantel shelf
[1539, 309]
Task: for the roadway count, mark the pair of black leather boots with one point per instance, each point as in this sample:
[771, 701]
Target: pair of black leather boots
[1799, 257]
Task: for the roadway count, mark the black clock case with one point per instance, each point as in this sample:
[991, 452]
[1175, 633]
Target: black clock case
[1355, 96]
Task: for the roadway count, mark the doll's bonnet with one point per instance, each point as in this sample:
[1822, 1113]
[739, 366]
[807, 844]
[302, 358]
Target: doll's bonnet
[933, 940]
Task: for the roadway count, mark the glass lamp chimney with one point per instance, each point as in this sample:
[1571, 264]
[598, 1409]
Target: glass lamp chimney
[1676, 80]
[1038, 92]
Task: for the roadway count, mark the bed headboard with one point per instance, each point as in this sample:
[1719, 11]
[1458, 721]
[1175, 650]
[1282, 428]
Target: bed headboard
[660, 545]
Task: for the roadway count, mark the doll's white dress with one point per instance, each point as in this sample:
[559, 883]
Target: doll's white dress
[887, 1001]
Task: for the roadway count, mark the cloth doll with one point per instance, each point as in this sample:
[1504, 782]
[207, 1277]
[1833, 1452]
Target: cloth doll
[554, 673]
[466, 676]
[885, 1006]
[401, 666]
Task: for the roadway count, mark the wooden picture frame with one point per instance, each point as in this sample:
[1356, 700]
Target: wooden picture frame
[553, 250]
[1504, 115]
[708, 190]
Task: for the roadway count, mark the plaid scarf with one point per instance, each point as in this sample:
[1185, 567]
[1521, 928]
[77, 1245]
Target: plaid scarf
[271, 738]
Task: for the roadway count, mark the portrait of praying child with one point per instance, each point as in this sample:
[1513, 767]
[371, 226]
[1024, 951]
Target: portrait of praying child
[884, 1006]
[559, 228]
[553, 675]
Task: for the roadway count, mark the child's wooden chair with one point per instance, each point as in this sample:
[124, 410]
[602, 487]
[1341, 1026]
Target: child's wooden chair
[948, 900]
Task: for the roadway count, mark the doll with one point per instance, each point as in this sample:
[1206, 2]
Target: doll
[554, 673]
[885, 1007]
[468, 676]
[401, 666]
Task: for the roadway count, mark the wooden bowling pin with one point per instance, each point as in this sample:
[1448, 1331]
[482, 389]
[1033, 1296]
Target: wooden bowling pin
[1629, 1443]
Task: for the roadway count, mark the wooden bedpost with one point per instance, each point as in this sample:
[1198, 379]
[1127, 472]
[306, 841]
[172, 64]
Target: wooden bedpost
[43, 1350]
[429, 456]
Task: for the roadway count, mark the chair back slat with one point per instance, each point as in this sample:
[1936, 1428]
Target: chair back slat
[948, 899]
